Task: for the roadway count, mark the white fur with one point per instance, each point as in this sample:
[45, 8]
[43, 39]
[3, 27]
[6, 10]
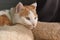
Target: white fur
[20, 3]
[17, 32]
[32, 16]
[17, 18]
[34, 4]
[2, 13]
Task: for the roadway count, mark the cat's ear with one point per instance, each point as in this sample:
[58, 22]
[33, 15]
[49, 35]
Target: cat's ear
[19, 7]
[34, 4]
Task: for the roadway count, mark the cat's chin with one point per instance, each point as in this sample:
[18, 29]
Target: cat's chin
[30, 26]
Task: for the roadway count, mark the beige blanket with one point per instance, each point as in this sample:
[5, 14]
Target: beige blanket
[47, 31]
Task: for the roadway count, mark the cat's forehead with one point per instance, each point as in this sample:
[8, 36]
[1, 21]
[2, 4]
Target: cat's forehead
[28, 10]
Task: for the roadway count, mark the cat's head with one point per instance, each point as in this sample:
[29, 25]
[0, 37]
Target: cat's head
[26, 14]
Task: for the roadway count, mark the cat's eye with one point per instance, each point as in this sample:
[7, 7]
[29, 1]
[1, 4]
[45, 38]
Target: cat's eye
[35, 17]
[27, 18]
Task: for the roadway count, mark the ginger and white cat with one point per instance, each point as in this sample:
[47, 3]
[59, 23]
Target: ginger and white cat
[25, 15]
[22, 16]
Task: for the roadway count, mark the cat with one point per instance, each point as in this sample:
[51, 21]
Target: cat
[25, 15]
[22, 17]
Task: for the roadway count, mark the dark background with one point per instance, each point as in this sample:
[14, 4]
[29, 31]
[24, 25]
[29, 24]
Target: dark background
[47, 10]
[6, 4]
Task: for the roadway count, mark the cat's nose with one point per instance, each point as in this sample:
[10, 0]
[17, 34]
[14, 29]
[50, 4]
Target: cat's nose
[33, 24]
